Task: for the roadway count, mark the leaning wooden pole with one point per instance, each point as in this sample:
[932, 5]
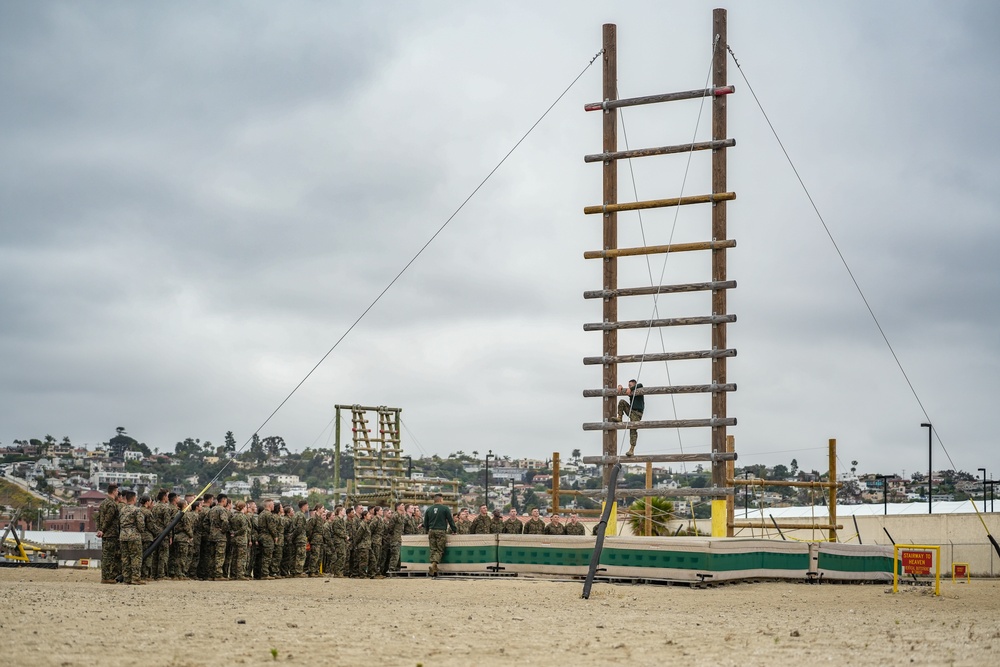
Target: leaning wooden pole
[610, 145]
[719, 130]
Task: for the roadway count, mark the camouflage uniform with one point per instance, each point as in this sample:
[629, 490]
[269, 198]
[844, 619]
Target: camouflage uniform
[299, 539]
[396, 528]
[239, 527]
[131, 526]
[386, 545]
[363, 546]
[184, 534]
[288, 552]
[496, 525]
[352, 546]
[535, 526]
[278, 531]
[512, 526]
[195, 569]
[317, 546]
[107, 523]
[329, 548]
[482, 525]
[253, 557]
[147, 539]
[265, 523]
[376, 528]
[575, 529]
[462, 527]
[438, 518]
[162, 516]
[338, 531]
[218, 532]
[555, 529]
[201, 537]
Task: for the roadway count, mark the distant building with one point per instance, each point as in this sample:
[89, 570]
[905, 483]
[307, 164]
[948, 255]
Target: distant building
[237, 488]
[102, 478]
[79, 519]
[507, 473]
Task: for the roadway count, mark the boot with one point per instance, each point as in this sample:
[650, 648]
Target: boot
[631, 451]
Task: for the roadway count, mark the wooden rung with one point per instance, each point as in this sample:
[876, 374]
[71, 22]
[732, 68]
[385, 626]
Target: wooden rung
[660, 289]
[659, 203]
[787, 526]
[669, 322]
[662, 150]
[675, 389]
[666, 423]
[661, 458]
[708, 492]
[658, 356]
[659, 249]
[715, 91]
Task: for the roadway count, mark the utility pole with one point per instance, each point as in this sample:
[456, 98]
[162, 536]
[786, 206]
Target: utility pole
[930, 467]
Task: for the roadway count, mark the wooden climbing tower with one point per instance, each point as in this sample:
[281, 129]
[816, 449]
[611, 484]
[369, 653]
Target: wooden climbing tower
[380, 469]
[717, 244]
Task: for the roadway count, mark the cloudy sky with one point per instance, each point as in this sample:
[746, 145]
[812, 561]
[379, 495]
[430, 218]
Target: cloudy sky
[198, 199]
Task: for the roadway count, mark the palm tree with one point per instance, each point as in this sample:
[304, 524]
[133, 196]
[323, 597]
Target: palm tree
[576, 454]
[662, 512]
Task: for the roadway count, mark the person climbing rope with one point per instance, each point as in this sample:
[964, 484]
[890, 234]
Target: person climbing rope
[633, 408]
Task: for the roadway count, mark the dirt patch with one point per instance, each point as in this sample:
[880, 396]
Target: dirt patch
[66, 617]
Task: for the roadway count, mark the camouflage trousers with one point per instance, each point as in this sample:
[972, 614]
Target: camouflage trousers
[266, 555]
[131, 554]
[315, 558]
[339, 558]
[217, 556]
[364, 552]
[147, 562]
[194, 558]
[394, 550]
[162, 559]
[181, 562]
[238, 558]
[279, 553]
[299, 559]
[111, 559]
[375, 559]
[438, 541]
[634, 415]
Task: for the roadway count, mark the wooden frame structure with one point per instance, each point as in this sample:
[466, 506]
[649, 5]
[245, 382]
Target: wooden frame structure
[379, 464]
[718, 421]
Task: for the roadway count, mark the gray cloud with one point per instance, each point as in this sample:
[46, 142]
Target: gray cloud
[197, 201]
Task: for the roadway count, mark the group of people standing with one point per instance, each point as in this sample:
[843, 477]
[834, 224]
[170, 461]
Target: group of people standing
[212, 538]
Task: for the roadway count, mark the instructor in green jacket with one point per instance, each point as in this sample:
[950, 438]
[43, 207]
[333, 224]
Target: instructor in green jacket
[437, 519]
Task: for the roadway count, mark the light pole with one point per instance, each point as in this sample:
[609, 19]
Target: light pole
[488, 457]
[885, 494]
[983, 470]
[409, 466]
[930, 467]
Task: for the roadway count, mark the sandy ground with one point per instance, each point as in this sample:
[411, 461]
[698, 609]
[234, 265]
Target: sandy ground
[65, 617]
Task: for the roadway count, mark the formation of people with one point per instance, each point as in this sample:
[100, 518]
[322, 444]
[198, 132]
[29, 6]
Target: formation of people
[217, 539]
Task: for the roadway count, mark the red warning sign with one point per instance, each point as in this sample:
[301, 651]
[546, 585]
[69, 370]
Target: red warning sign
[917, 562]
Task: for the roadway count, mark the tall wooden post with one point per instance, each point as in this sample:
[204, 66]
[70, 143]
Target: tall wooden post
[833, 490]
[336, 452]
[610, 347]
[719, 78]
